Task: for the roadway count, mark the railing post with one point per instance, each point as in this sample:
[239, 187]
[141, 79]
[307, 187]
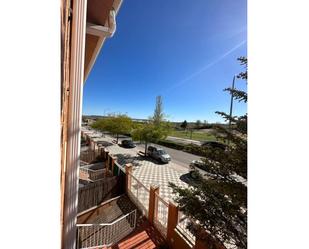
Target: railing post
[128, 168]
[172, 220]
[113, 164]
[105, 152]
[108, 161]
[152, 209]
[106, 164]
[103, 156]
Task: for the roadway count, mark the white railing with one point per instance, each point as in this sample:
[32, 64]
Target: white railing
[160, 214]
[139, 194]
[183, 222]
[106, 234]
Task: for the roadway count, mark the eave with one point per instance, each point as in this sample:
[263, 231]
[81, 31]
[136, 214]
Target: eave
[101, 24]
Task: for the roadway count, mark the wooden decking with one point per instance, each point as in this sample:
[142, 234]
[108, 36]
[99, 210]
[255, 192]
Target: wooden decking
[144, 236]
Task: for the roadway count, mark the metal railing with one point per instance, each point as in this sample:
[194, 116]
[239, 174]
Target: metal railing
[183, 222]
[106, 234]
[139, 194]
[160, 214]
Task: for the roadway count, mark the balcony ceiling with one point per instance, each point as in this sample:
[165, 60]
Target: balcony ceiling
[98, 12]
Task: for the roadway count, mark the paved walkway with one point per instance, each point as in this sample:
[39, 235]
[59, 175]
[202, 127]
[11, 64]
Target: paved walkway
[148, 171]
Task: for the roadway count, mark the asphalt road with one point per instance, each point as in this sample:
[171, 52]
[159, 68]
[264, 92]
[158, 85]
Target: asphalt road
[179, 157]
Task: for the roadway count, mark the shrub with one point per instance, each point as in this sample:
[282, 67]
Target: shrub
[194, 149]
[171, 144]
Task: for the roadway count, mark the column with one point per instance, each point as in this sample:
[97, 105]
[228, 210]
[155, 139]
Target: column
[128, 168]
[152, 208]
[172, 221]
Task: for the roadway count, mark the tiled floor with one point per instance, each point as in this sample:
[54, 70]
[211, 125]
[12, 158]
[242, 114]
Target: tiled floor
[148, 172]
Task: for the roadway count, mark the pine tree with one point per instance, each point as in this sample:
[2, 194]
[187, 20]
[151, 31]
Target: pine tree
[218, 205]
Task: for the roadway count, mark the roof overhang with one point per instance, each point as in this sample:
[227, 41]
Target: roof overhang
[101, 24]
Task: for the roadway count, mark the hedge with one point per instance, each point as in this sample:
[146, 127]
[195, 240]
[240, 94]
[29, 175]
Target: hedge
[171, 144]
[190, 148]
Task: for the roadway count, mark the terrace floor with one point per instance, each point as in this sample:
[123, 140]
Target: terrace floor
[109, 212]
[144, 236]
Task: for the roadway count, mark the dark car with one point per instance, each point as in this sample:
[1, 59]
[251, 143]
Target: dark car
[128, 144]
[214, 144]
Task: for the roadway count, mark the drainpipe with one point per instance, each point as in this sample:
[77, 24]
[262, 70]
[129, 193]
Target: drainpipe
[112, 23]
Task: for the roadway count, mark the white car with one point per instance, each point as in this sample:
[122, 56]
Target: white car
[158, 154]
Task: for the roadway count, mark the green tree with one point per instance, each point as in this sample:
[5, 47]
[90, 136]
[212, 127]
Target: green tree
[155, 129]
[184, 125]
[158, 115]
[218, 204]
[149, 132]
[120, 124]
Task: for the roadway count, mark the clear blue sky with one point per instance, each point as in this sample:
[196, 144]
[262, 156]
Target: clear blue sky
[184, 50]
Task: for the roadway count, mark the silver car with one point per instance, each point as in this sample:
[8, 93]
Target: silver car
[159, 154]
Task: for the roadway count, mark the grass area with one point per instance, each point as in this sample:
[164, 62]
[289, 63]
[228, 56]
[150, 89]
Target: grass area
[196, 135]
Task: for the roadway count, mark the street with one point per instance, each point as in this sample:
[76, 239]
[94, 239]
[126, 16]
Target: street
[149, 171]
[180, 158]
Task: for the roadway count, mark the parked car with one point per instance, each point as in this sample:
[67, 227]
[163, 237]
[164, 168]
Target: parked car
[214, 144]
[159, 154]
[128, 144]
[198, 166]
